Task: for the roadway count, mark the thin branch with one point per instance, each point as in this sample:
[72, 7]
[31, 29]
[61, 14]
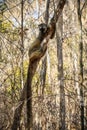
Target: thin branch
[47, 11]
[85, 3]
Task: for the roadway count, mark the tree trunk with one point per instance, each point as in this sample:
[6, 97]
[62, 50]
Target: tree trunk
[81, 65]
[60, 74]
[22, 47]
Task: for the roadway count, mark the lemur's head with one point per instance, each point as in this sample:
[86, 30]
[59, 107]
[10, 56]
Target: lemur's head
[43, 28]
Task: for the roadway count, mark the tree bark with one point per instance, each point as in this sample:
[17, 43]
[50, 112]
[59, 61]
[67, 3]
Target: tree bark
[59, 33]
[81, 65]
[22, 47]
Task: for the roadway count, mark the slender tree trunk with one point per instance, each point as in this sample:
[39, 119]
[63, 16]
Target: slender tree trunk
[48, 68]
[60, 74]
[22, 48]
[81, 65]
[18, 110]
[86, 113]
[75, 58]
